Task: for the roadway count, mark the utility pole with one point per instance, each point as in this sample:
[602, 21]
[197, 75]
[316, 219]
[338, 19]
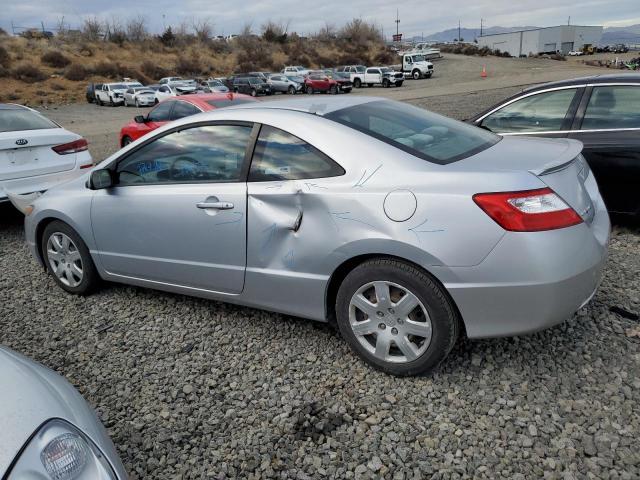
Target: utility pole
[397, 22]
[458, 31]
[569, 21]
[481, 20]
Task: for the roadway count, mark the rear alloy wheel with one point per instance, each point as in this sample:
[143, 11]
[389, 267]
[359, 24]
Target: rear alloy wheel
[386, 83]
[291, 90]
[357, 83]
[67, 258]
[396, 317]
[309, 89]
[333, 90]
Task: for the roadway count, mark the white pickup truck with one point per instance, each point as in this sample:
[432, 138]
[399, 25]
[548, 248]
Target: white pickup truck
[111, 94]
[414, 65]
[384, 76]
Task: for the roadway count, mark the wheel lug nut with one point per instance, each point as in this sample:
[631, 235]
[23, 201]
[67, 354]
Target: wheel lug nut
[394, 331]
[380, 314]
[392, 311]
[382, 326]
[400, 321]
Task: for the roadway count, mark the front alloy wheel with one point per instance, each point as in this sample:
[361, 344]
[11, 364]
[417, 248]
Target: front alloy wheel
[67, 258]
[309, 89]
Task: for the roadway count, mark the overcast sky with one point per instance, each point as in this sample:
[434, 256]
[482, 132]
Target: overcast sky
[416, 17]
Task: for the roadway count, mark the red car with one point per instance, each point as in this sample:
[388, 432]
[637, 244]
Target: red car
[320, 83]
[175, 108]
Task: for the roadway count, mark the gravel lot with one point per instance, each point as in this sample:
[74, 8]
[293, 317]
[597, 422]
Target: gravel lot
[196, 389]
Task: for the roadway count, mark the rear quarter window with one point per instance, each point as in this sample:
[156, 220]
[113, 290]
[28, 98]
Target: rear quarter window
[16, 120]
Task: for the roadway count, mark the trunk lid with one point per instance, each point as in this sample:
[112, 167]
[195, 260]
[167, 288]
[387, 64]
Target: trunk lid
[35, 157]
[558, 163]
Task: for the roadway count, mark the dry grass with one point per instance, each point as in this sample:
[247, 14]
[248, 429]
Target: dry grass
[60, 68]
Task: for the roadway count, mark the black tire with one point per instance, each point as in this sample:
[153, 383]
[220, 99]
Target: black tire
[111, 102]
[357, 83]
[155, 101]
[333, 89]
[291, 90]
[445, 322]
[99, 101]
[386, 83]
[91, 279]
[416, 74]
[126, 141]
[309, 89]
[254, 93]
[399, 84]
[137, 103]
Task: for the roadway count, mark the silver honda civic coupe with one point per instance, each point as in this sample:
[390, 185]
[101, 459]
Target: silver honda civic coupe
[48, 430]
[403, 226]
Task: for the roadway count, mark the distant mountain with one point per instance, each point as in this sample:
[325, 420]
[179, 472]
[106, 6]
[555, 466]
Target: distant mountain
[630, 34]
[467, 34]
[611, 35]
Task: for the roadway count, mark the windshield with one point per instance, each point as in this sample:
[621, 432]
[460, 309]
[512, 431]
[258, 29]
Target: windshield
[215, 83]
[386, 70]
[295, 78]
[117, 86]
[15, 120]
[144, 90]
[418, 58]
[360, 69]
[419, 132]
[255, 80]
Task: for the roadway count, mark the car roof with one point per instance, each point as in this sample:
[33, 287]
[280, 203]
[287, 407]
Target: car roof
[12, 106]
[608, 78]
[201, 99]
[312, 104]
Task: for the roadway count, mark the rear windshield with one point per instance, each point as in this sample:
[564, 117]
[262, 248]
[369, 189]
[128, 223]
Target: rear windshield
[226, 103]
[15, 120]
[419, 132]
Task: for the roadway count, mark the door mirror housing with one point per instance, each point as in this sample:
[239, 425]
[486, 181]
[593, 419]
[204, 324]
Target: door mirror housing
[101, 179]
[140, 119]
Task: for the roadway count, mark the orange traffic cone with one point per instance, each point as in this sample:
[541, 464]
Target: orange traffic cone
[484, 71]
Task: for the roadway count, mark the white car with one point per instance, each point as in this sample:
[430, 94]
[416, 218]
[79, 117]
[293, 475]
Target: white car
[140, 97]
[575, 53]
[214, 86]
[296, 70]
[166, 80]
[36, 153]
[173, 90]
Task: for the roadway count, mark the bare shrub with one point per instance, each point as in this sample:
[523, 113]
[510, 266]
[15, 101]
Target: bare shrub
[385, 56]
[137, 29]
[153, 70]
[5, 58]
[55, 59]
[4, 72]
[92, 29]
[28, 73]
[188, 65]
[203, 29]
[76, 72]
[57, 87]
[107, 69]
[328, 33]
[275, 32]
[360, 32]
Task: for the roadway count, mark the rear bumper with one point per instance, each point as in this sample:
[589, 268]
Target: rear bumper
[42, 183]
[536, 280]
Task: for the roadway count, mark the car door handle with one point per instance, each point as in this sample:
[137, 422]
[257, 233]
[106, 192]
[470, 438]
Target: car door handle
[216, 205]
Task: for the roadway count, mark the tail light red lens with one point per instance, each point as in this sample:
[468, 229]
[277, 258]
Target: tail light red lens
[72, 147]
[528, 210]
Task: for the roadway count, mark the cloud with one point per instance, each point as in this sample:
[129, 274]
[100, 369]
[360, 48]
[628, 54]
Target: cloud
[416, 16]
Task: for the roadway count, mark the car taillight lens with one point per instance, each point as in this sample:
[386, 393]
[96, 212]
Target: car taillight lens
[72, 147]
[528, 210]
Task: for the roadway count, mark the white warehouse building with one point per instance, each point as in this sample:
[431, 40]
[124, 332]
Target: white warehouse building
[563, 38]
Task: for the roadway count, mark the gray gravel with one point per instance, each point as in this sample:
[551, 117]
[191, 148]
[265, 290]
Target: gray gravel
[190, 388]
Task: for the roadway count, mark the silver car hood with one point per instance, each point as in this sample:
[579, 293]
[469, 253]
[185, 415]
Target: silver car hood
[32, 395]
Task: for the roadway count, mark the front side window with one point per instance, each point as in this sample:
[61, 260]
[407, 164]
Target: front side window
[281, 156]
[542, 112]
[426, 135]
[206, 154]
[183, 109]
[161, 113]
[613, 107]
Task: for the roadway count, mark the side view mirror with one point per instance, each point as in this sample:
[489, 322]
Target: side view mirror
[140, 119]
[101, 179]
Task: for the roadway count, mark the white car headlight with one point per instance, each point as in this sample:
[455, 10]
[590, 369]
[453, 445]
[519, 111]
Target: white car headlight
[59, 451]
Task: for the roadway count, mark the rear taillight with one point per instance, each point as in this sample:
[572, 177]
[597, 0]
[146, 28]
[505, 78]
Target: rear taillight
[528, 210]
[72, 147]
